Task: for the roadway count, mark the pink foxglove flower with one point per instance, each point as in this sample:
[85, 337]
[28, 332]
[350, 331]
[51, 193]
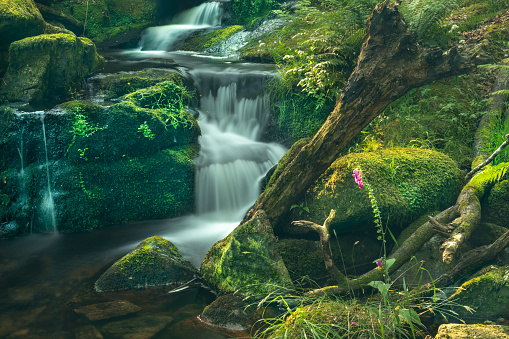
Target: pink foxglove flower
[358, 178]
[379, 263]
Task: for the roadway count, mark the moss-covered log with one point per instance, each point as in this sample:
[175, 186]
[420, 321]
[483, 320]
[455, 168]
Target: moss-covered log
[391, 63]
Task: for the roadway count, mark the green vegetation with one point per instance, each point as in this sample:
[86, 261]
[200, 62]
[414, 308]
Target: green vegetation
[108, 18]
[200, 43]
[246, 12]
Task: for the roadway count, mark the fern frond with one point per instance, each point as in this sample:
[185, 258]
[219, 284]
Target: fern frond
[492, 174]
[422, 15]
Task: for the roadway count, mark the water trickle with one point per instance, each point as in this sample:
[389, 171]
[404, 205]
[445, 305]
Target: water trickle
[48, 204]
[162, 38]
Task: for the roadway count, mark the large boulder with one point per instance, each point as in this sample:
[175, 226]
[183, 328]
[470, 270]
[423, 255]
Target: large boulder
[155, 261]
[247, 260]
[407, 182]
[487, 293]
[18, 19]
[47, 66]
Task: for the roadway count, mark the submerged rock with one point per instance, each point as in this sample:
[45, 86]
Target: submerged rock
[247, 260]
[229, 312]
[143, 327]
[47, 66]
[155, 261]
[464, 331]
[107, 310]
[407, 182]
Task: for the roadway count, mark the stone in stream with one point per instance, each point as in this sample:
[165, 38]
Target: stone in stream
[107, 310]
[155, 261]
[464, 331]
[87, 332]
[137, 328]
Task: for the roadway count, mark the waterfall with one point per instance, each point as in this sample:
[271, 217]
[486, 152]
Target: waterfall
[232, 159]
[162, 38]
[48, 204]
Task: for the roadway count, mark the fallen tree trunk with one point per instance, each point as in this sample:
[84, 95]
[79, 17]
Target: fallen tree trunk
[391, 63]
[402, 256]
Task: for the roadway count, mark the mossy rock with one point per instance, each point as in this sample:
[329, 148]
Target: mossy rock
[18, 19]
[47, 66]
[155, 261]
[487, 294]
[116, 85]
[406, 182]
[201, 42]
[95, 195]
[230, 312]
[128, 130]
[495, 205]
[246, 261]
[472, 331]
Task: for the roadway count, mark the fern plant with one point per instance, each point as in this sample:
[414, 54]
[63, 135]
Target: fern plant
[492, 174]
[425, 16]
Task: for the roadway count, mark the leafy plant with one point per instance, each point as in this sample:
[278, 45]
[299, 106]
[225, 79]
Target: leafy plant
[81, 127]
[300, 208]
[426, 16]
[146, 131]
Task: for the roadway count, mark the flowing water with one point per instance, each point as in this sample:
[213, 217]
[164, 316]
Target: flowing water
[43, 277]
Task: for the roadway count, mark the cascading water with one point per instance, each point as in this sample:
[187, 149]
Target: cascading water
[162, 38]
[48, 204]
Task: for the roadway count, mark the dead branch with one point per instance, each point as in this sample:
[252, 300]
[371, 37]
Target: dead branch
[441, 229]
[324, 233]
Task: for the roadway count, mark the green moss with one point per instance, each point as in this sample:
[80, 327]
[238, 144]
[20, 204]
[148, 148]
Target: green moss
[487, 294]
[495, 206]
[203, 42]
[286, 159]
[155, 261]
[47, 66]
[407, 183]
[154, 187]
[19, 19]
[117, 85]
[246, 261]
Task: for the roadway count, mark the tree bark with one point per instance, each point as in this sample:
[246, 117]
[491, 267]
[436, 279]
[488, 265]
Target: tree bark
[391, 63]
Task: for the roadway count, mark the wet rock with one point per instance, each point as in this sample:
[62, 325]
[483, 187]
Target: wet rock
[87, 332]
[144, 327]
[46, 66]
[229, 312]
[247, 260]
[464, 331]
[487, 293]
[155, 261]
[108, 310]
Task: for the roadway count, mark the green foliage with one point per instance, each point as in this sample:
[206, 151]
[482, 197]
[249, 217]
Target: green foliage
[426, 16]
[245, 12]
[300, 208]
[494, 135]
[442, 116]
[169, 98]
[81, 128]
[491, 174]
[146, 131]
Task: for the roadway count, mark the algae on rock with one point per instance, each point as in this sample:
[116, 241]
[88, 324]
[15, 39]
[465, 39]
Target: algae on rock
[155, 261]
[246, 261]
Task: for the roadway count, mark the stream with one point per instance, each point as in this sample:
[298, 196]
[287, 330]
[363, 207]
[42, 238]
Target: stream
[44, 277]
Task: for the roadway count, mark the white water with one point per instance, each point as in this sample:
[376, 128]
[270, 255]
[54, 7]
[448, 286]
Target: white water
[48, 204]
[162, 38]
